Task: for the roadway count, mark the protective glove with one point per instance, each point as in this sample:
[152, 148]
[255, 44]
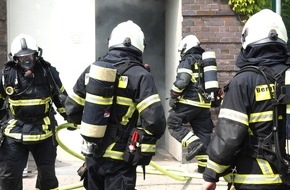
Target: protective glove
[173, 103]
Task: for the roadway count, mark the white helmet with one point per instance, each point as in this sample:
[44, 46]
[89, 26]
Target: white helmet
[127, 35]
[263, 27]
[187, 43]
[23, 45]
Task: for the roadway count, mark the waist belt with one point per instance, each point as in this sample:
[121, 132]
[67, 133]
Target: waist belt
[30, 119]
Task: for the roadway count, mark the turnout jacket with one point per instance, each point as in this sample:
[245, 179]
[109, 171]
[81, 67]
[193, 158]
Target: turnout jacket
[244, 122]
[31, 115]
[137, 102]
[189, 78]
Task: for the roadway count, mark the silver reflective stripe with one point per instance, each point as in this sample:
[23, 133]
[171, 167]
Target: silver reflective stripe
[234, 116]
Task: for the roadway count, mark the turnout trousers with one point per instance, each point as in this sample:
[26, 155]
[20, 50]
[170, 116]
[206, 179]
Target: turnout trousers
[199, 119]
[109, 174]
[13, 160]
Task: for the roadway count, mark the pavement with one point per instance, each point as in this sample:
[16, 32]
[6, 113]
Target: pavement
[163, 173]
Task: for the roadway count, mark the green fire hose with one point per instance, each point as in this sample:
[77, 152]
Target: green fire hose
[175, 173]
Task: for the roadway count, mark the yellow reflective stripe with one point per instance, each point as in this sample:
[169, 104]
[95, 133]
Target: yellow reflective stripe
[62, 88]
[38, 137]
[187, 136]
[128, 115]
[103, 73]
[196, 65]
[234, 116]
[216, 167]
[201, 163]
[202, 160]
[193, 77]
[202, 157]
[33, 138]
[265, 166]
[79, 100]
[61, 110]
[124, 101]
[30, 102]
[184, 70]
[99, 99]
[253, 178]
[186, 142]
[229, 177]
[194, 103]
[147, 102]
[109, 153]
[176, 89]
[261, 117]
[151, 148]
[210, 68]
[46, 120]
[288, 108]
[14, 135]
[11, 124]
[131, 108]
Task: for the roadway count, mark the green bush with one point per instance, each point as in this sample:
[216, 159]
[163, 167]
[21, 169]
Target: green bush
[246, 8]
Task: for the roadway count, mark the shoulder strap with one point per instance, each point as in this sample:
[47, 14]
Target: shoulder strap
[124, 66]
[46, 68]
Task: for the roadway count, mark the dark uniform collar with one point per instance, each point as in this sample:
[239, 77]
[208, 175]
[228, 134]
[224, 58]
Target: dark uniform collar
[265, 54]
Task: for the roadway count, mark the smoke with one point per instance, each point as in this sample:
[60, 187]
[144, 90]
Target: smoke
[150, 16]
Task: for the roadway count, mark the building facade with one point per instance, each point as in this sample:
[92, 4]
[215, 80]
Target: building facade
[3, 33]
[212, 21]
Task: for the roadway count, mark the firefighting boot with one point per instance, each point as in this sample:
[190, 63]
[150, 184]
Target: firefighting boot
[194, 148]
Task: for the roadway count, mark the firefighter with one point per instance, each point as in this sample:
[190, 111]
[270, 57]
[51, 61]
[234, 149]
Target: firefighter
[189, 105]
[240, 149]
[127, 113]
[28, 93]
